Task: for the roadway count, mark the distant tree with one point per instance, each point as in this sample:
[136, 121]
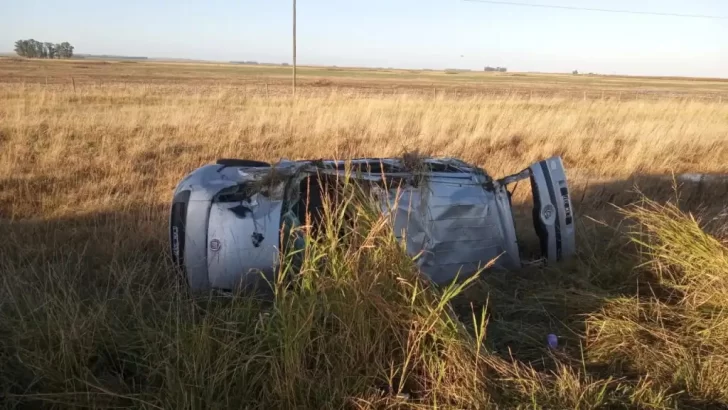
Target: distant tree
[27, 48]
[65, 50]
[21, 48]
[50, 50]
[36, 49]
[575, 72]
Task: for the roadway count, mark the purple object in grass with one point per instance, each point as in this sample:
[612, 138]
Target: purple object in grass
[553, 340]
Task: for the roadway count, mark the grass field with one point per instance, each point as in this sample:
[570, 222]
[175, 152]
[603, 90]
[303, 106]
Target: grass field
[90, 313]
[275, 80]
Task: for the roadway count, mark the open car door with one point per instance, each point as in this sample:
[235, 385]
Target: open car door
[553, 216]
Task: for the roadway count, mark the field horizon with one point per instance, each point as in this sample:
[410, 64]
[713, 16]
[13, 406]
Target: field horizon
[96, 58]
[92, 314]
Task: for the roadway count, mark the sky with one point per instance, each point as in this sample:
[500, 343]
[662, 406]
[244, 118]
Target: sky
[390, 33]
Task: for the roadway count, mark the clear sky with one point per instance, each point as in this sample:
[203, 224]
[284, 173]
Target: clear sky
[390, 33]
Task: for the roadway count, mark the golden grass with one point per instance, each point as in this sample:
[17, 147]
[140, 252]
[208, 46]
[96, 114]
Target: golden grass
[89, 315]
[133, 143]
[275, 80]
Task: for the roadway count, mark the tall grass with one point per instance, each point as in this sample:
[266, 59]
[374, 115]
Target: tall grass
[109, 146]
[91, 314]
[357, 326]
[675, 331]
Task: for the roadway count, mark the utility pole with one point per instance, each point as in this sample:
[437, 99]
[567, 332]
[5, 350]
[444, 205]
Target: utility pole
[294, 48]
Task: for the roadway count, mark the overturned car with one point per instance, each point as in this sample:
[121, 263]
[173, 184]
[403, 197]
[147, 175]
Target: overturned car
[226, 226]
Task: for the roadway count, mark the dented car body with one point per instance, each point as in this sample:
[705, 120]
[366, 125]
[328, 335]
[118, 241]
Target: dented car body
[227, 218]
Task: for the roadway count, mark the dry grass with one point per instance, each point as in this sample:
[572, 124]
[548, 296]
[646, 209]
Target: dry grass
[88, 315]
[275, 80]
[133, 143]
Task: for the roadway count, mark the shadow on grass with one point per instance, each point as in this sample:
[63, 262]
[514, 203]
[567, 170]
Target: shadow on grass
[92, 244]
[524, 307]
[104, 255]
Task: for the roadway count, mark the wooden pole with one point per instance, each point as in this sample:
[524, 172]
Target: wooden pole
[294, 48]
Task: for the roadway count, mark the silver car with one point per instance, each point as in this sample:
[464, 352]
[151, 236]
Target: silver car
[227, 218]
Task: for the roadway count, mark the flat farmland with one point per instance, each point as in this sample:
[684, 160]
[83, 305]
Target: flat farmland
[254, 78]
[92, 316]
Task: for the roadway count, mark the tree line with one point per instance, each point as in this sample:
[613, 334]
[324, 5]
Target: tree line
[38, 49]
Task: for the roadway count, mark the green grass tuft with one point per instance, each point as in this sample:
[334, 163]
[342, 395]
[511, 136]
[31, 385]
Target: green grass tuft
[357, 327]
